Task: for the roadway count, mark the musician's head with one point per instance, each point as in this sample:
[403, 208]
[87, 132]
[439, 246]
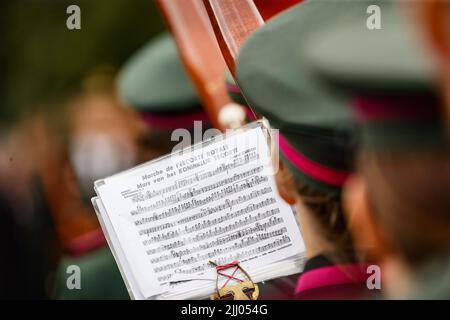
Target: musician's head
[316, 147]
[154, 83]
[434, 16]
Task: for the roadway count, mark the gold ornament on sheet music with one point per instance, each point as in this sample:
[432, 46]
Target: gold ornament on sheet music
[243, 290]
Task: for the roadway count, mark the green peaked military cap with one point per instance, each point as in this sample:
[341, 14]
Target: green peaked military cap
[388, 74]
[154, 79]
[317, 137]
[155, 83]
[392, 58]
[233, 89]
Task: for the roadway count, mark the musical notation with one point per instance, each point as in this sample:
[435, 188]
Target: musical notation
[213, 203]
[258, 227]
[194, 204]
[208, 223]
[220, 251]
[226, 191]
[207, 231]
[247, 234]
[196, 178]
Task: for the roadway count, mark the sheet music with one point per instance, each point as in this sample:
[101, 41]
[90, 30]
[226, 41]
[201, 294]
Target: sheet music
[214, 203]
[117, 251]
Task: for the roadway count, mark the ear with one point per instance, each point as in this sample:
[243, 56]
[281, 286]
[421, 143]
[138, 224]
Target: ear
[286, 184]
[365, 230]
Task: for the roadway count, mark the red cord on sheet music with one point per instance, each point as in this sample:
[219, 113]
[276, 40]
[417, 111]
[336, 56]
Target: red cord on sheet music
[234, 264]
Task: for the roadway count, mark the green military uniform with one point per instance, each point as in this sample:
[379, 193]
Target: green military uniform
[388, 76]
[99, 277]
[154, 83]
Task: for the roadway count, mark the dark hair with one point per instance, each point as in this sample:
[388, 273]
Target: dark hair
[409, 195]
[328, 213]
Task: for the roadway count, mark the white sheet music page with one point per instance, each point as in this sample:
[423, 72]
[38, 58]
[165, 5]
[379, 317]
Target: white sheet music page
[215, 202]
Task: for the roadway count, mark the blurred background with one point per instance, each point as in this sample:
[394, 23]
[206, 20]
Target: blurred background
[61, 127]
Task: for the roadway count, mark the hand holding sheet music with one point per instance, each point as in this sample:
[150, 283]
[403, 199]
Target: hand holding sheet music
[217, 201]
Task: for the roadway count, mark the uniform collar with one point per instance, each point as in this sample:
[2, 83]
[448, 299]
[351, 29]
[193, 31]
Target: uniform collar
[320, 272]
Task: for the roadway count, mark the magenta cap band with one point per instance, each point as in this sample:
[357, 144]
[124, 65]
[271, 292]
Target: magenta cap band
[395, 108]
[313, 169]
[172, 122]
